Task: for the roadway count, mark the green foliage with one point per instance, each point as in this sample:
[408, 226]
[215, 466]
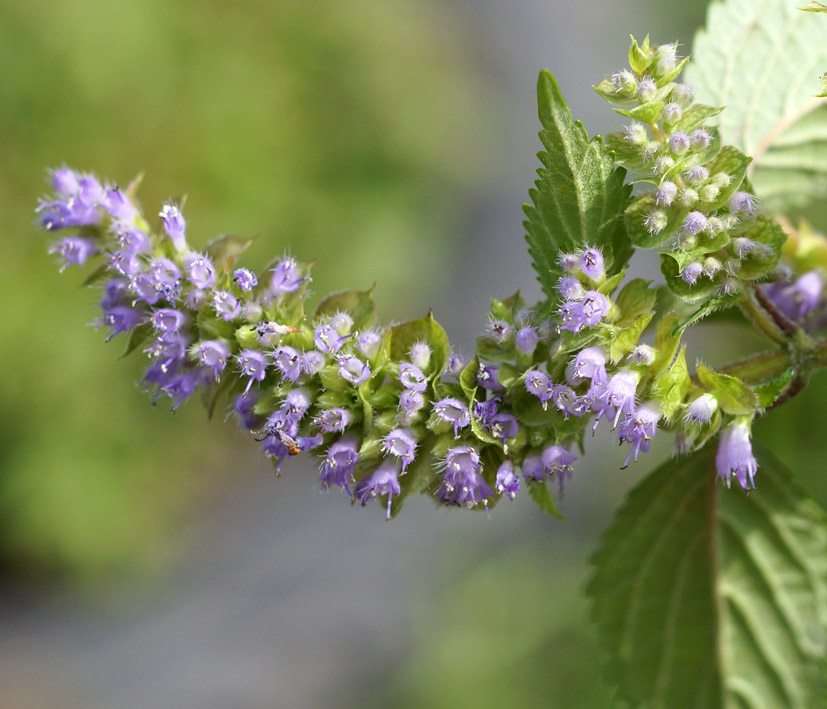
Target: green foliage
[425, 330]
[358, 304]
[707, 597]
[579, 198]
[758, 59]
[732, 394]
[672, 385]
[545, 500]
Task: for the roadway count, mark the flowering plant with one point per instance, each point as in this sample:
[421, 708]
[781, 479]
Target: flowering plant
[391, 412]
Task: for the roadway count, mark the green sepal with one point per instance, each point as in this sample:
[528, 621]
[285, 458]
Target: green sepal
[695, 116]
[356, 303]
[768, 392]
[636, 214]
[539, 492]
[823, 92]
[331, 399]
[640, 56]
[671, 386]
[224, 250]
[734, 397]
[649, 112]
[425, 330]
[210, 324]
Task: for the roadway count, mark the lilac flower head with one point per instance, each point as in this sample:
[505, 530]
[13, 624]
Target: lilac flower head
[118, 204]
[696, 174]
[368, 343]
[296, 403]
[526, 339]
[91, 191]
[245, 279]
[701, 409]
[312, 361]
[646, 88]
[410, 403]
[557, 460]
[182, 385]
[672, 112]
[213, 354]
[683, 94]
[700, 139]
[74, 250]
[200, 270]
[695, 222]
[453, 411]
[507, 482]
[124, 262]
[401, 444]
[503, 426]
[679, 143]
[327, 339]
[253, 364]
[456, 364]
[412, 377]
[533, 468]
[568, 402]
[338, 465]
[807, 292]
[539, 384]
[743, 247]
[244, 407]
[65, 181]
[332, 420]
[587, 311]
[133, 240]
[570, 288]
[226, 305]
[644, 355]
[462, 483]
[639, 428]
[486, 410]
[382, 481]
[488, 377]
[591, 263]
[285, 278]
[691, 272]
[499, 329]
[121, 318]
[743, 204]
[353, 370]
[289, 362]
[114, 293]
[735, 457]
[590, 363]
[420, 354]
[569, 263]
[666, 193]
[617, 395]
[174, 225]
[168, 320]
[636, 133]
[144, 288]
[342, 323]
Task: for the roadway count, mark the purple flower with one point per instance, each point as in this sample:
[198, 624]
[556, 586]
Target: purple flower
[743, 204]
[285, 278]
[91, 191]
[570, 288]
[168, 320]
[453, 411]
[797, 300]
[420, 354]
[332, 420]
[487, 377]
[165, 274]
[143, 286]
[65, 181]
[646, 88]
[213, 354]
[462, 483]
[288, 362]
[557, 461]
[503, 426]
[616, 396]
[701, 409]
[499, 330]
[401, 444]
[125, 262]
[253, 364]
[410, 403]
[312, 361]
[672, 112]
[526, 339]
[679, 143]
[62, 215]
[696, 174]
[539, 384]
[327, 339]
[569, 263]
[567, 401]
[170, 350]
[353, 370]
[174, 225]
[118, 204]
[200, 270]
[382, 481]
[226, 305]
[342, 323]
[245, 279]
[533, 468]
[74, 250]
[368, 343]
[121, 318]
[338, 465]
[133, 240]
[455, 365]
[691, 272]
[114, 293]
[735, 457]
[590, 363]
[591, 263]
[700, 139]
[587, 311]
[666, 193]
[182, 385]
[485, 410]
[412, 377]
[244, 407]
[638, 428]
[507, 482]
[695, 222]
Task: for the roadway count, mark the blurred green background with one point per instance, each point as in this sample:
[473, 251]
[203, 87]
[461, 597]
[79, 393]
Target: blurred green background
[370, 135]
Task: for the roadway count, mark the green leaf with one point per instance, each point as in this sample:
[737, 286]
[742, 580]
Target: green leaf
[767, 393]
[224, 250]
[706, 597]
[667, 341]
[814, 6]
[137, 336]
[734, 163]
[640, 56]
[733, 395]
[645, 113]
[636, 299]
[578, 198]
[423, 330]
[672, 385]
[357, 303]
[545, 500]
[759, 59]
